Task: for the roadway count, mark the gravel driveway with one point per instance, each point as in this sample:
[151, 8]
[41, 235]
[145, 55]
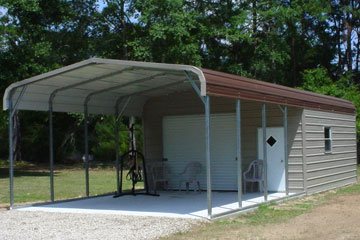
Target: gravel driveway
[42, 225]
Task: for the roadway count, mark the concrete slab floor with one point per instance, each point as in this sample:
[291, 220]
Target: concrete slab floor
[168, 204]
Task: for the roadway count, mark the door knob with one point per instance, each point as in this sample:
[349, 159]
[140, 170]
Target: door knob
[282, 160]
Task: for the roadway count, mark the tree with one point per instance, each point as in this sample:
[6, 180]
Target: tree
[318, 80]
[314, 44]
[345, 16]
[38, 36]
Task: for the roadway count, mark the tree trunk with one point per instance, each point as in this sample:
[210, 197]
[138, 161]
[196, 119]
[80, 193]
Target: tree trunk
[254, 29]
[293, 61]
[254, 20]
[349, 29]
[337, 24]
[358, 52]
[17, 137]
[123, 23]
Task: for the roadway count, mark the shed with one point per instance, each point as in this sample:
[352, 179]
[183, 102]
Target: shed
[307, 141]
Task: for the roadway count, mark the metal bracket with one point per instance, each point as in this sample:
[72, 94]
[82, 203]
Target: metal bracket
[14, 108]
[196, 88]
[123, 108]
[282, 108]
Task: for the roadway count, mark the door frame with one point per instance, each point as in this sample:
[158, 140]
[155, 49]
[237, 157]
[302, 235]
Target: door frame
[268, 129]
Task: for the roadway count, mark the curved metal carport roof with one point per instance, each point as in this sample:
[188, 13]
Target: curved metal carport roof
[103, 84]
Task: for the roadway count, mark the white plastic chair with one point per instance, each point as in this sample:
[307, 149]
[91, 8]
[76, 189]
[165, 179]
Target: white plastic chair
[254, 173]
[190, 174]
[159, 172]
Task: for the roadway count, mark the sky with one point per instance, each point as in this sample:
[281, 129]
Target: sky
[3, 11]
[101, 4]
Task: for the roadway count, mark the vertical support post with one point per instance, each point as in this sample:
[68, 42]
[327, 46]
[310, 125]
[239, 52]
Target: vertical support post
[238, 150]
[264, 151]
[86, 149]
[51, 143]
[11, 154]
[286, 151]
[207, 147]
[117, 150]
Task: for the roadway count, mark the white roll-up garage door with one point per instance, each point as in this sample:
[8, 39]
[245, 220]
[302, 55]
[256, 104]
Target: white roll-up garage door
[184, 141]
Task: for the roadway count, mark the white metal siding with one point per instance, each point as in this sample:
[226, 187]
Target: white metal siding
[184, 141]
[327, 170]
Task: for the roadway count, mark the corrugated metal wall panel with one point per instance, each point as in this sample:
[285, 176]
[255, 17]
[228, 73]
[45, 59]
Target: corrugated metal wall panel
[332, 184]
[336, 168]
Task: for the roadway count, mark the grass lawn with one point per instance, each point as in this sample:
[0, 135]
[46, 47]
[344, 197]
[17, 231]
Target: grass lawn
[31, 183]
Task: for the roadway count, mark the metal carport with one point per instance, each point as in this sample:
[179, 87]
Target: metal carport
[116, 87]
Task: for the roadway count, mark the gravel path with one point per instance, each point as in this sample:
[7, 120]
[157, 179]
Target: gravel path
[41, 225]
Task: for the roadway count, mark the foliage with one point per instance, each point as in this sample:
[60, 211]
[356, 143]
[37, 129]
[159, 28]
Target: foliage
[104, 138]
[318, 80]
[310, 44]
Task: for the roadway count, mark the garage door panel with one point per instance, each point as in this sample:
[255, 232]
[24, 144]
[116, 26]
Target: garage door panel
[184, 141]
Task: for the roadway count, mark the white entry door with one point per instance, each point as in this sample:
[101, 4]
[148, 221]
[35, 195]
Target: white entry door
[275, 157]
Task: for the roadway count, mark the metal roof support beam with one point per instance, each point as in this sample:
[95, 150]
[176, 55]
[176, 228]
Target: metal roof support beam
[207, 149]
[59, 71]
[264, 151]
[53, 94]
[196, 88]
[88, 97]
[206, 101]
[145, 91]
[238, 151]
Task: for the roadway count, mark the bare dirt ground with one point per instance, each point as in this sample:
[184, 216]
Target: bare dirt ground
[330, 216]
[338, 219]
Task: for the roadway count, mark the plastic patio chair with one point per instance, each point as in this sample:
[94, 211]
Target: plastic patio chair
[190, 174]
[254, 173]
[159, 172]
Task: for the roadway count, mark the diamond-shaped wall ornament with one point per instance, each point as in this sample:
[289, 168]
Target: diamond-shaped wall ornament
[271, 141]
